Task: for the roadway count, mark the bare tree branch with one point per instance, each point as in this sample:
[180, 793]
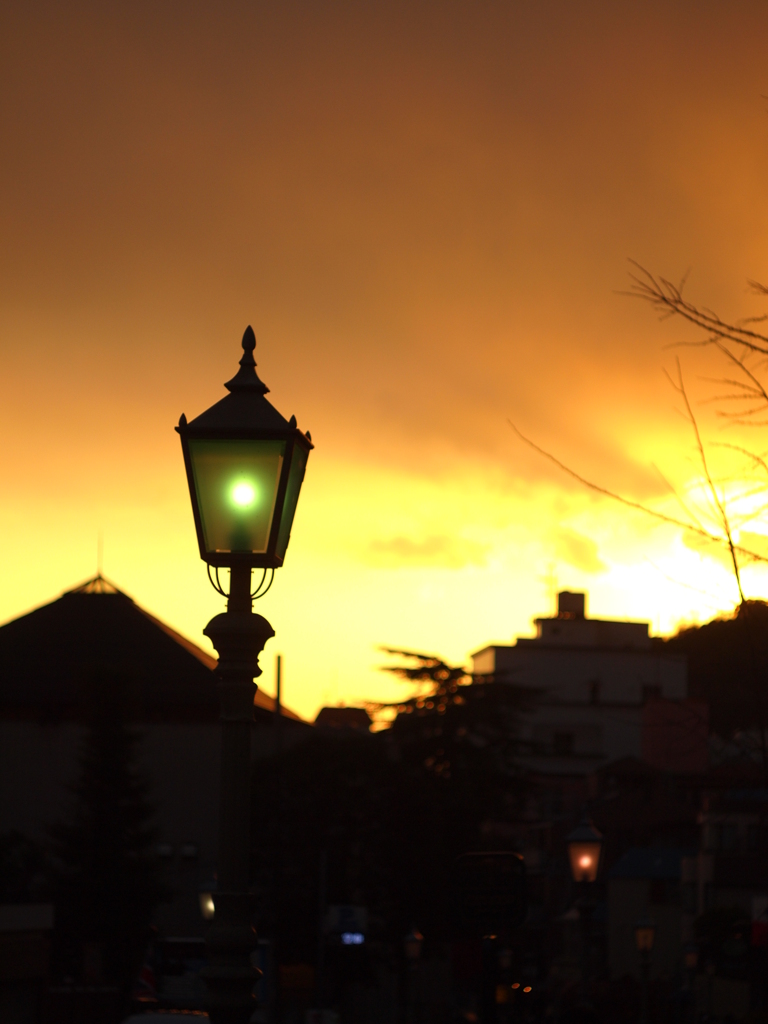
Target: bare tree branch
[659, 516]
[718, 499]
[668, 299]
[689, 512]
[757, 459]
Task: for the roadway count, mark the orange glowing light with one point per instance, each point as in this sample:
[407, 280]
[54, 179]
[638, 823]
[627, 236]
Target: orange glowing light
[584, 851]
[527, 988]
[516, 984]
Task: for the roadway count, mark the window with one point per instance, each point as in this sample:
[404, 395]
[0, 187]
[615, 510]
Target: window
[663, 892]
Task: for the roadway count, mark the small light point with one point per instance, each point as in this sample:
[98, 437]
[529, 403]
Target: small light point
[244, 494]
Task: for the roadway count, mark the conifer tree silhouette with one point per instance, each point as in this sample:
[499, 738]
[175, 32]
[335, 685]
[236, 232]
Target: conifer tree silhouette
[106, 881]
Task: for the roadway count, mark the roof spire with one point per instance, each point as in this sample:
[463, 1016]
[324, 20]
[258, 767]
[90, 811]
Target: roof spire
[246, 378]
[97, 585]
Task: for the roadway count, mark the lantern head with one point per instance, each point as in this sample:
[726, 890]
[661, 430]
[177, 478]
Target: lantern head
[584, 847]
[412, 944]
[245, 465]
[645, 933]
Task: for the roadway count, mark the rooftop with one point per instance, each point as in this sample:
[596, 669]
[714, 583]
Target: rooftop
[649, 862]
[571, 628]
[45, 654]
[347, 719]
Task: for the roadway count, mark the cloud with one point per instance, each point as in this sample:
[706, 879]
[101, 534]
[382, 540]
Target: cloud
[757, 542]
[437, 551]
[711, 549]
[578, 551]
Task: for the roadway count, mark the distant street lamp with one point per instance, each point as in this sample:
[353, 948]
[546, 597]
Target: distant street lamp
[585, 845]
[645, 934]
[207, 908]
[412, 944]
[245, 465]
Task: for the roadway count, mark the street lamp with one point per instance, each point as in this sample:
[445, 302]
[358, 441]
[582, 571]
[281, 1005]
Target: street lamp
[645, 933]
[412, 945]
[585, 845]
[245, 465]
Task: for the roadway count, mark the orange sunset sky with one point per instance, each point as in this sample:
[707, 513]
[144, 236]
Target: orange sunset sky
[425, 210]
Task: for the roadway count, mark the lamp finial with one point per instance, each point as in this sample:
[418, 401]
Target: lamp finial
[246, 378]
[249, 339]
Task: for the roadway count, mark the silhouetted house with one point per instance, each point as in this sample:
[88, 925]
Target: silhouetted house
[731, 868]
[600, 692]
[647, 883]
[633, 805]
[46, 655]
[25, 931]
[343, 720]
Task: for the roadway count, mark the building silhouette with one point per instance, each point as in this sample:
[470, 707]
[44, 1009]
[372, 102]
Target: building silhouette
[46, 655]
[600, 690]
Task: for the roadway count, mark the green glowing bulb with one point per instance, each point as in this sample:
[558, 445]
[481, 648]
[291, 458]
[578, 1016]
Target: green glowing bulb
[244, 494]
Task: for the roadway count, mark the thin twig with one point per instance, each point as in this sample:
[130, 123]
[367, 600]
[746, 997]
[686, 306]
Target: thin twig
[757, 459]
[718, 500]
[688, 586]
[659, 516]
[668, 298]
[681, 503]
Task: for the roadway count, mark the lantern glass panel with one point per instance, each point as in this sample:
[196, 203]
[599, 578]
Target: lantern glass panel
[295, 479]
[236, 483]
[585, 859]
[644, 936]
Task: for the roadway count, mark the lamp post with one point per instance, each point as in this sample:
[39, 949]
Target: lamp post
[412, 944]
[585, 845]
[645, 933]
[690, 962]
[245, 465]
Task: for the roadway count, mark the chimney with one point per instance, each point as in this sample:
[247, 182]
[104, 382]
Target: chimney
[570, 605]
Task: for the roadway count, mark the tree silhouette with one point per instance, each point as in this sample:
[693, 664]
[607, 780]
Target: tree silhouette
[382, 817]
[458, 719]
[106, 882]
[24, 869]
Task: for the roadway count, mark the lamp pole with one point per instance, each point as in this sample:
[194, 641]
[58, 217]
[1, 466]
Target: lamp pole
[412, 945]
[645, 933]
[245, 465]
[644, 972]
[691, 957]
[584, 848]
[238, 635]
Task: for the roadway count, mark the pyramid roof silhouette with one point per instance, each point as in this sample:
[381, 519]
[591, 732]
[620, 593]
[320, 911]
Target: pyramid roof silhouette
[46, 654]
